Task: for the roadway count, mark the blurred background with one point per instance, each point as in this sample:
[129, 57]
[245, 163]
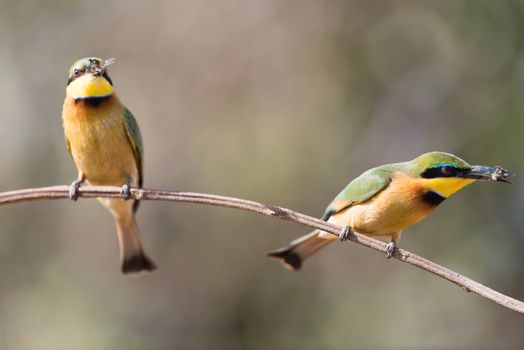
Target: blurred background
[281, 102]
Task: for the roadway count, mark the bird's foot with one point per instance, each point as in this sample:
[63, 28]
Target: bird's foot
[125, 190]
[390, 249]
[344, 234]
[73, 189]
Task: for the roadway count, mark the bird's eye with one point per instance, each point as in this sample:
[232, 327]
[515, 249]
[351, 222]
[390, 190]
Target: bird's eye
[76, 72]
[447, 170]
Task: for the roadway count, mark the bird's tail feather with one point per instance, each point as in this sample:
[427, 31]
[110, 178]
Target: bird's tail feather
[132, 257]
[293, 256]
[137, 263]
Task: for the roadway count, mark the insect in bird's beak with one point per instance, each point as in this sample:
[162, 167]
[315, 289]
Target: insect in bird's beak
[485, 173]
[97, 68]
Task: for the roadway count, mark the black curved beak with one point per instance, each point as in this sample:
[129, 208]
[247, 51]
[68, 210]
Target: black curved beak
[486, 173]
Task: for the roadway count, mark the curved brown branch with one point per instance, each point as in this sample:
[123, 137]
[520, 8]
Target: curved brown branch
[60, 192]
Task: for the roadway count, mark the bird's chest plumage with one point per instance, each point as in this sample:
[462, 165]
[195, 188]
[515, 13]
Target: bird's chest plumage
[402, 203]
[98, 142]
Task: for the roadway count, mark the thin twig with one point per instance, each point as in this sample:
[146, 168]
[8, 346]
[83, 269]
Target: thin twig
[60, 192]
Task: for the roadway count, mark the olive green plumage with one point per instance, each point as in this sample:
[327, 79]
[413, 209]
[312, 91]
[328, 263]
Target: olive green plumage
[80, 64]
[135, 138]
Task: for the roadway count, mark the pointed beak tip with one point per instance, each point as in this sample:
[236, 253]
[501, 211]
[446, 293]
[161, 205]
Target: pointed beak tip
[502, 175]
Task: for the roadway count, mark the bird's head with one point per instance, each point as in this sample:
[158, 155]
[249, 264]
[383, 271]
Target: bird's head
[88, 78]
[445, 173]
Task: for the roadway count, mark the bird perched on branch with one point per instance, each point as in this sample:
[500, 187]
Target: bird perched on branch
[104, 140]
[385, 200]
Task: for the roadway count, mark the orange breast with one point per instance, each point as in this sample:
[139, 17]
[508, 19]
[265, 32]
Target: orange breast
[398, 206]
[98, 141]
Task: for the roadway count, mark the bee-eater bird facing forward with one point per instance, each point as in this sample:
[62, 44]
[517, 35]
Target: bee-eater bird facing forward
[104, 140]
[385, 200]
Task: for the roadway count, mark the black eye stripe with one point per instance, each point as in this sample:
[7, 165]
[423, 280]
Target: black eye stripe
[439, 171]
[431, 173]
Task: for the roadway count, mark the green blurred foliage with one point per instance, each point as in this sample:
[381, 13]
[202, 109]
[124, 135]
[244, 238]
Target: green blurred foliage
[277, 101]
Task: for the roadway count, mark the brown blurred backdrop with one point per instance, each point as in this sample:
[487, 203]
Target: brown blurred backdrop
[281, 102]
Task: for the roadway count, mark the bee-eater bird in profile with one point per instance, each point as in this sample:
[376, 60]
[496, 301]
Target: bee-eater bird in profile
[385, 200]
[104, 140]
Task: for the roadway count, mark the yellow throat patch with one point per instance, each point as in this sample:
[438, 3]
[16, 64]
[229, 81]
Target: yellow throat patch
[89, 85]
[447, 186]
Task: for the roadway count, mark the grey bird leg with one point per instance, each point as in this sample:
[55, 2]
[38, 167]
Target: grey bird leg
[75, 185]
[344, 234]
[390, 249]
[126, 189]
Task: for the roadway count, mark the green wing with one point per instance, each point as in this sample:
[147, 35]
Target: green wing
[133, 134]
[359, 190]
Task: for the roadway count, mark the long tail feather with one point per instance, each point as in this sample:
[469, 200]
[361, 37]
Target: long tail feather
[132, 257]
